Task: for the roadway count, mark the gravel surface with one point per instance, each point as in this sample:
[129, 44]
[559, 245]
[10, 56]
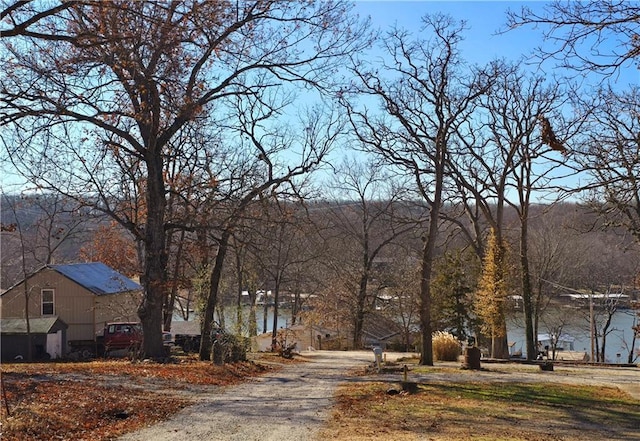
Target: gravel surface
[293, 403]
[288, 405]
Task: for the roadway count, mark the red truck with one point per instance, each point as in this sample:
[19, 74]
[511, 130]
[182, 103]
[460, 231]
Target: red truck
[121, 335]
[115, 336]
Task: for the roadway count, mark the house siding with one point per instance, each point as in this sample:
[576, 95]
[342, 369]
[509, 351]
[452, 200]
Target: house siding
[84, 312]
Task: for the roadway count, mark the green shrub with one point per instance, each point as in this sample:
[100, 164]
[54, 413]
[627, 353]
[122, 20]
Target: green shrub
[446, 347]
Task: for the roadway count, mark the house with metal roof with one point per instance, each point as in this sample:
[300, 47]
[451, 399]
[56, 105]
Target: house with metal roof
[84, 296]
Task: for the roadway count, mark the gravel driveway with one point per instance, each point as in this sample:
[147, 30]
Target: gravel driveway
[293, 403]
[288, 405]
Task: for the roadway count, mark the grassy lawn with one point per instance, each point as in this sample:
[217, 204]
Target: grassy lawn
[491, 412]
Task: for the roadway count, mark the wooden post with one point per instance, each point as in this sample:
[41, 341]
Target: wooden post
[4, 395]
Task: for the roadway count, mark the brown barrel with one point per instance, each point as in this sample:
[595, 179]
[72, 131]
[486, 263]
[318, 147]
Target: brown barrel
[472, 358]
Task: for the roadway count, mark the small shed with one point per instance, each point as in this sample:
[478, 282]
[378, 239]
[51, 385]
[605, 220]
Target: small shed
[48, 338]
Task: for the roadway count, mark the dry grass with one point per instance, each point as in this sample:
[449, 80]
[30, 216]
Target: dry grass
[496, 412]
[103, 399]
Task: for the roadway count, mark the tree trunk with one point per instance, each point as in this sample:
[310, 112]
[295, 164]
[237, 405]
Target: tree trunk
[253, 321]
[527, 295]
[634, 327]
[212, 298]
[265, 311]
[428, 251]
[295, 308]
[26, 314]
[605, 328]
[171, 303]
[274, 331]
[426, 357]
[499, 344]
[240, 281]
[155, 274]
[358, 327]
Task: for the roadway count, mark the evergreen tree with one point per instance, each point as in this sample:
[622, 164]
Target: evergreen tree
[452, 289]
[492, 292]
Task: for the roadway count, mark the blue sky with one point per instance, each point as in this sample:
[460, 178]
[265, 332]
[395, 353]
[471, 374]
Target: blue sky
[484, 18]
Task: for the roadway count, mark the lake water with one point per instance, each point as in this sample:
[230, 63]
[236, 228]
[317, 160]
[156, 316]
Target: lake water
[575, 323]
[284, 317]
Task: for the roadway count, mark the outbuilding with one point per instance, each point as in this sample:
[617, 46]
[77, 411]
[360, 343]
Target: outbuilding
[48, 338]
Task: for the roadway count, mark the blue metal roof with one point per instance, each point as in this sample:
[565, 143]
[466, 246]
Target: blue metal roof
[97, 277]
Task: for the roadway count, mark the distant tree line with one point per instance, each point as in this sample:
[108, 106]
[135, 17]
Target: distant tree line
[180, 123]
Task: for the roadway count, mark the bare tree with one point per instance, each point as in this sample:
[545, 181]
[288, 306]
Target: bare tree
[367, 218]
[425, 97]
[252, 172]
[22, 17]
[95, 114]
[279, 250]
[580, 33]
[38, 226]
[503, 163]
[404, 290]
[517, 110]
[610, 154]
[552, 254]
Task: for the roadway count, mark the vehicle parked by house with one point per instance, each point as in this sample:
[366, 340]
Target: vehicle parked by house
[84, 296]
[116, 336]
[186, 335]
[124, 335]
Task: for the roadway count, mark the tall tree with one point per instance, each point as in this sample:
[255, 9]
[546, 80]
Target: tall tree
[425, 95]
[367, 219]
[579, 33]
[519, 110]
[491, 293]
[96, 112]
[503, 162]
[610, 154]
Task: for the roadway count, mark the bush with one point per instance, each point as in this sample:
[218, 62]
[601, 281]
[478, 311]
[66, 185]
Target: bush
[228, 348]
[285, 343]
[446, 347]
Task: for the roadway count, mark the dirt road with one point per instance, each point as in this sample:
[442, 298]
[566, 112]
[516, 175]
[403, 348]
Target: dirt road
[288, 405]
[293, 403]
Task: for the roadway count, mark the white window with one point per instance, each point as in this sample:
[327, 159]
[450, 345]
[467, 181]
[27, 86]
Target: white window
[47, 302]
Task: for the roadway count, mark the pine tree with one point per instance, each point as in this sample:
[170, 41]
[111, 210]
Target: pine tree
[452, 288]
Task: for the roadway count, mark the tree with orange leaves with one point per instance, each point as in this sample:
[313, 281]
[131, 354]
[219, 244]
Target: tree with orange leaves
[100, 113]
[113, 246]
